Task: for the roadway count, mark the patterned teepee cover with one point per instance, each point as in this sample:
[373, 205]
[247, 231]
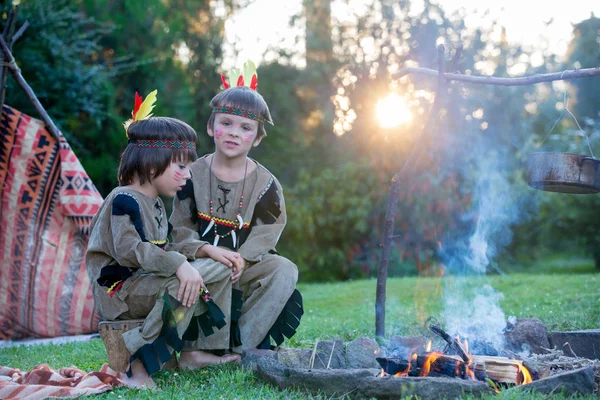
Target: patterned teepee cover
[47, 203]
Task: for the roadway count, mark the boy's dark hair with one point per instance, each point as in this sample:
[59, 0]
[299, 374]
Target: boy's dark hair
[143, 161]
[245, 98]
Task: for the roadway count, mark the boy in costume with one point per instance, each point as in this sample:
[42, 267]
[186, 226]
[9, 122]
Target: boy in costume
[133, 272]
[234, 202]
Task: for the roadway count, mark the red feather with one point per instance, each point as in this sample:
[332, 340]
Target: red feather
[240, 81]
[136, 104]
[254, 82]
[225, 84]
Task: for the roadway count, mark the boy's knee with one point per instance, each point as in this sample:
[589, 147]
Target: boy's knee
[171, 286]
[284, 270]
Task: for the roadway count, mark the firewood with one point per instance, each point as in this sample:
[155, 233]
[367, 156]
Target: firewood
[500, 369]
[454, 343]
[393, 366]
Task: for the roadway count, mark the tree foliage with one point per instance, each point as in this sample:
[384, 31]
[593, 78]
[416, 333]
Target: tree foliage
[85, 59]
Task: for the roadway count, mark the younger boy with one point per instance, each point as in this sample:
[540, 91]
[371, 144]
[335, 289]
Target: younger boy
[132, 271]
[234, 202]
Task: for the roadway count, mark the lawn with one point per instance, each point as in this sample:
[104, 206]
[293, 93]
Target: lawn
[346, 311]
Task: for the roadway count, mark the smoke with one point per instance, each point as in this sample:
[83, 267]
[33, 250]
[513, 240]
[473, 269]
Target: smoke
[471, 305]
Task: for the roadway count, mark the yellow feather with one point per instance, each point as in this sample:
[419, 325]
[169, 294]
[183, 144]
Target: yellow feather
[147, 106]
[249, 70]
[234, 74]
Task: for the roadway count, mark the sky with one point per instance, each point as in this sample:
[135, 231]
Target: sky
[266, 22]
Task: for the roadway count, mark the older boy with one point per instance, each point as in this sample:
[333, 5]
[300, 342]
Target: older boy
[234, 202]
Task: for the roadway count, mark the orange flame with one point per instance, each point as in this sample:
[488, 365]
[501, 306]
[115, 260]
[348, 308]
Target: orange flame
[526, 375]
[403, 373]
[431, 357]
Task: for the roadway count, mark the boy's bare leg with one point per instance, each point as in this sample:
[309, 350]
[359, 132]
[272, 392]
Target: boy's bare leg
[200, 359]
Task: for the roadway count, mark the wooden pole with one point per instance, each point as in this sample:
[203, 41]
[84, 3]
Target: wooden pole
[491, 80]
[16, 73]
[7, 35]
[392, 205]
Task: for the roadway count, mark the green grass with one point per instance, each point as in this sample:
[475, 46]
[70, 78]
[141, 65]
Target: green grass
[346, 311]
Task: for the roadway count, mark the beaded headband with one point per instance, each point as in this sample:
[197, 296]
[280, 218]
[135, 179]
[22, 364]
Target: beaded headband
[239, 112]
[164, 144]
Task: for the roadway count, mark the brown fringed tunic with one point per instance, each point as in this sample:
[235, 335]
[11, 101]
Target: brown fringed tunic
[132, 270]
[265, 304]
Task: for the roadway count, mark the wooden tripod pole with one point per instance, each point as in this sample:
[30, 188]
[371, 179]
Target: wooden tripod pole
[16, 73]
[443, 78]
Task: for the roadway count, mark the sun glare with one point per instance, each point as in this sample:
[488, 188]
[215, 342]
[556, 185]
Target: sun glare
[392, 111]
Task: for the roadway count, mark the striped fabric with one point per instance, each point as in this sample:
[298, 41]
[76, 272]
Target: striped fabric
[47, 202]
[42, 382]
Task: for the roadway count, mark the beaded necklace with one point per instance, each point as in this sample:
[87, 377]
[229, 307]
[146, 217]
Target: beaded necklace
[212, 223]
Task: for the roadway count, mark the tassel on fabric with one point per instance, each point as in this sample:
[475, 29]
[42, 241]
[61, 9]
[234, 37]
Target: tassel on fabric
[214, 317]
[287, 322]
[154, 355]
[236, 312]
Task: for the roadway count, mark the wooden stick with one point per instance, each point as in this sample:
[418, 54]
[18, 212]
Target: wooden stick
[392, 205]
[330, 355]
[491, 80]
[16, 73]
[7, 34]
[20, 32]
[454, 343]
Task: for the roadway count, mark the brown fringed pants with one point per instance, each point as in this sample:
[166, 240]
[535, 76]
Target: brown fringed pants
[266, 286]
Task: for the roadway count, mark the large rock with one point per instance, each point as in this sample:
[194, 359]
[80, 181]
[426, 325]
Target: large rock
[329, 353]
[585, 343]
[294, 358]
[405, 346]
[361, 353]
[579, 381]
[527, 335]
[250, 357]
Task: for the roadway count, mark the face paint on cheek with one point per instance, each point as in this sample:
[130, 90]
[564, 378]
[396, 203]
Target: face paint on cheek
[177, 176]
[219, 134]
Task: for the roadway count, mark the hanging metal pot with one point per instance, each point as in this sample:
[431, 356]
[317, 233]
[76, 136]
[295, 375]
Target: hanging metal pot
[564, 172]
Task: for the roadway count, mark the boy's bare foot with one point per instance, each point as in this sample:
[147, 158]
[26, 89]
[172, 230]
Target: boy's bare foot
[139, 377]
[200, 359]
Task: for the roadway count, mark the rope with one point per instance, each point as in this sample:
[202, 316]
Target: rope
[10, 64]
[560, 116]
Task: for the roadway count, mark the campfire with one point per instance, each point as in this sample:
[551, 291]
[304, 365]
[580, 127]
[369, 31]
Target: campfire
[455, 361]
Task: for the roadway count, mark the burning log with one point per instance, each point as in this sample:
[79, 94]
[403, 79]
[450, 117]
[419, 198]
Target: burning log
[454, 343]
[393, 366]
[432, 364]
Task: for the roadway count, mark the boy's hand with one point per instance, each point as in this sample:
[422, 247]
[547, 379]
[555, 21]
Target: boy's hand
[236, 274]
[227, 257]
[190, 283]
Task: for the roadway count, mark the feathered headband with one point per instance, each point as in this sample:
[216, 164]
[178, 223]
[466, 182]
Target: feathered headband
[245, 77]
[143, 110]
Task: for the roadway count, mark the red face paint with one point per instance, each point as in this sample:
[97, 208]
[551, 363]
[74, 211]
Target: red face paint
[178, 176]
[219, 133]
